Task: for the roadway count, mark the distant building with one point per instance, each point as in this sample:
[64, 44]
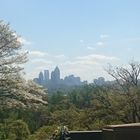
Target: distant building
[55, 76]
[41, 78]
[72, 80]
[55, 82]
[46, 75]
[100, 81]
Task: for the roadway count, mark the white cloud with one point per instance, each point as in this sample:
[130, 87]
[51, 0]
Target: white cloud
[23, 41]
[37, 54]
[97, 57]
[90, 48]
[100, 43]
[59, 56]
[80, 62]
[104, 36]
[93, 59]
[81, 41]
[41, 61]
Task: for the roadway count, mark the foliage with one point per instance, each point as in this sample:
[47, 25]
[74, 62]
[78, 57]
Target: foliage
[14, 90]
[17, 130]
[11, 57]
[43, 133]
[128, 84]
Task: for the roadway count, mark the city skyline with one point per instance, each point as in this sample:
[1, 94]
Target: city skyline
[52, 80]
[80, 36]
[47, 74]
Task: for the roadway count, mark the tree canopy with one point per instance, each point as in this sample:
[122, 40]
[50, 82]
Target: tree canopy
[14, 89]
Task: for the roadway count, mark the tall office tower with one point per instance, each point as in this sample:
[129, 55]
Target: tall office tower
[46, 75]
[55, 76]
[41, 78]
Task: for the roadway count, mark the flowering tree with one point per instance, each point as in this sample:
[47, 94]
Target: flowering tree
[14, 90]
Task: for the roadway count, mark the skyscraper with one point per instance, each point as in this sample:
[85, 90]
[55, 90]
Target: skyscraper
[41, 79]
[55, 76]
[54, 81]
[57, 73]
[46, 75]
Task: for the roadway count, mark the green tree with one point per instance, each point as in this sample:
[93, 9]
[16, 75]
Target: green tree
[43, 133]
[128, 87]
[16, 130]
[19, 129]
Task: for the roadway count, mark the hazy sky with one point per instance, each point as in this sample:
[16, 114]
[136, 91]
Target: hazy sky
[79, 36]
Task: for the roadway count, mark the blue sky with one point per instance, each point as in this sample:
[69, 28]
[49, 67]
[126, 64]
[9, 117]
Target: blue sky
[80, 36]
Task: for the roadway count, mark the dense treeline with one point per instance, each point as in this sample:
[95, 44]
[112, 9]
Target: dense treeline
[87, 108]
[27, 112]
